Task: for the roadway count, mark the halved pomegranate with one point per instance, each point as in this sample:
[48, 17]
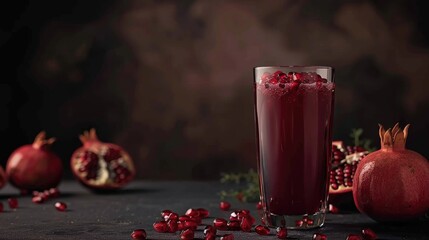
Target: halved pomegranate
[344, 163]
[101, 166]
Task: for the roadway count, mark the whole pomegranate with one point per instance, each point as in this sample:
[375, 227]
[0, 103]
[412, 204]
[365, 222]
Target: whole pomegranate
[3, 178]
[392, 184]
[101, 166]
[35, 166]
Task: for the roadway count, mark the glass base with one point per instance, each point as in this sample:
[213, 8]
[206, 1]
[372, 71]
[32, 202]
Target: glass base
[297, 222]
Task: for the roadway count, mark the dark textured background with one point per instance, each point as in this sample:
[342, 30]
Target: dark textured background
[171, 81]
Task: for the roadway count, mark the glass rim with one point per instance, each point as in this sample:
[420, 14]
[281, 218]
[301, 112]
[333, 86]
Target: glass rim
[295, 66]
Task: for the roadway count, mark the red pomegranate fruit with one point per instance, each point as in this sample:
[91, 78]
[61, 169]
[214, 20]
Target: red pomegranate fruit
[101, 166]
[3, 178]
[344, 162]
[391, 184]
[35, 166]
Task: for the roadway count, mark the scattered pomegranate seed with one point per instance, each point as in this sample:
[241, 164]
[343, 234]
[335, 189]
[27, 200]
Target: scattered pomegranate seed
[233, 225]
[353, 237]
[1, 207]
[191, 225]
[224, 205]
[60, 206]
[37, 199]
[54, 192]
[172, 226]
[262, 230]
[209, 229]
[160, 226]
[180, 225]
[368, 234]
[281, 233]
[227, 237]
[299, 223]
[246, 225]
[259, 205]
[187, 234]
[171, 216]
[138, 234]
[165, 213]
[13, 203]
[333, 209]
[203, 212]
[310, 222]
[192, 212]
[197, 220]
[319, 236]
[220, 223]
[184, 218]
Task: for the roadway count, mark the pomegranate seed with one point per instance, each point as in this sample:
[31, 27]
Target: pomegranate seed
[187, 234]
[60, 206]
[333, 209]
[299, 223]
[13, 203]
[191, 225]
[184, 218]
[37, 199]
[180, 225]
[233, 225]
[262, 230]
[112, 154]
[172, 226]
[165, 213]
[138, 234]
[294, 85]
[197, 220]
[210, 236]
[319, 236]
[171, 216]
[368, 234]
[297, 76]
[192, 212]
[160, 226]
[353, 237]
[259, 205]
[220, 223]
[224, 205]
[234, 216]
[281, 233]
[227, 237]
[203, 212]
[310, 222]
[265, 77]
[246, 225]
[36, 193]
[54, 192]
[209, 229]
[1, 207]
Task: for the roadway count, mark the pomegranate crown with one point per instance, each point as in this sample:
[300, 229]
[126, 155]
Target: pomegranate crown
[89, 136]
[40, 140]
[393, 138]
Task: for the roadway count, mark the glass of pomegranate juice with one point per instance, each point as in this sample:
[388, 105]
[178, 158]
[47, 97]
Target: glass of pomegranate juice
[293, 113]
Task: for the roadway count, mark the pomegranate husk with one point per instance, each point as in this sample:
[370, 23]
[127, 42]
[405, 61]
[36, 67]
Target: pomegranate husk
[3, 178]
[391, 184]
[91, 142]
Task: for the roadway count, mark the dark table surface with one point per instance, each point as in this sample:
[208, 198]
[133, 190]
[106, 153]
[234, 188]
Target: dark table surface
[115, 216]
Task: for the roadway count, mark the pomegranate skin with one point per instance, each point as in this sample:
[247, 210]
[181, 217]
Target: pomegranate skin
[34, 166]
[391, 185]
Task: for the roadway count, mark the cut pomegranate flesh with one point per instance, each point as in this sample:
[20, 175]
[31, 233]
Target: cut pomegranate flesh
[281, 233]
[262, 230]
[138, 234]
[13, 203]
[319, 236]
[101, 166]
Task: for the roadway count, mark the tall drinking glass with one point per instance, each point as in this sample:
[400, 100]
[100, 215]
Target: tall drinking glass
[293, 112]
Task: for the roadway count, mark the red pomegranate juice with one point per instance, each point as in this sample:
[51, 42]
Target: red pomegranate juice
[294, 114]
